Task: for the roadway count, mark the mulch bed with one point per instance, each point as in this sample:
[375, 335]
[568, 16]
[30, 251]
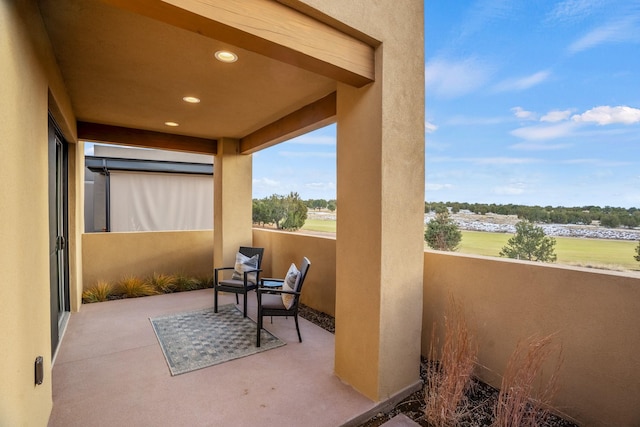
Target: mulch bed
[481, 396]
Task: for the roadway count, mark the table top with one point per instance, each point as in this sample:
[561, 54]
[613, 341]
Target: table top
[271, 284]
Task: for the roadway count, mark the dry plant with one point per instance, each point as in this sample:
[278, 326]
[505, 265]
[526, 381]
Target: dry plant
[132, 287]
[524, 400]
[98, 293]
[449, 375]
[163, 283]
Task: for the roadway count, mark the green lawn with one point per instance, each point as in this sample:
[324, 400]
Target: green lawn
[611, 254]
[320, 225]
[608, 254]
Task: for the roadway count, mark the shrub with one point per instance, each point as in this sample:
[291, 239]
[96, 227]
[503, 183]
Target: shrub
[98, 293]
[449, 375]
[132, 287]
[163, 283]
[522, 402]
[186, 283]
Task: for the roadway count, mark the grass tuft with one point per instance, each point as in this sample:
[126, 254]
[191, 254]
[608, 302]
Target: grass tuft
[186, 283]
[98, 293]
[163, 283]
[449, 372]
[524, 400]
[133, 287]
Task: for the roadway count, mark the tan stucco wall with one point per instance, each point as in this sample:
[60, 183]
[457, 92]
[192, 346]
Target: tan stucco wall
[594, 314]
[281, 249]
[29, 74]
[112, 256]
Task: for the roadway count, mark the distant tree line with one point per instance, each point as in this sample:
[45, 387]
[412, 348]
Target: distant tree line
[608, 216]
[319, 204]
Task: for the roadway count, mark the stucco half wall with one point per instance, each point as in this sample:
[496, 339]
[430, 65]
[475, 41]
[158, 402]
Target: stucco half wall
[282, 249]
[112, 256]
[593, 314]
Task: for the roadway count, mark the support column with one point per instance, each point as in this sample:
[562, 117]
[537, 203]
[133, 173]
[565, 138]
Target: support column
[379, 248]
[232, 202]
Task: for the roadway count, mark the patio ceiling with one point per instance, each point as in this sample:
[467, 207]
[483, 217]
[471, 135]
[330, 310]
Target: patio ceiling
[127, 71]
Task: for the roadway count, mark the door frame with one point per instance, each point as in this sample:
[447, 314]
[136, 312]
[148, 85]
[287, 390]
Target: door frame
[58, 232]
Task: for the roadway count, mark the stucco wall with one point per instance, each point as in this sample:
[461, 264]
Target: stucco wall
[29, 76]
[595, 316]
[112, 256]
[281, 249]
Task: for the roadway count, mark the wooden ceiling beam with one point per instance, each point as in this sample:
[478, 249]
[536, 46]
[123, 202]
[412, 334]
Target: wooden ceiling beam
[304, 120]
[144, 138]
[270, 29]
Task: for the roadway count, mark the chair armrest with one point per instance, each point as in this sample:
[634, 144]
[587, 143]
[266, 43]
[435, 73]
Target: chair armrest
[271, 279]
[223, 268]
[276, 291]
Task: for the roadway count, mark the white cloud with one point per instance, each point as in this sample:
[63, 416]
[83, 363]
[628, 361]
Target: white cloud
[622, 30]
[532, 146]
[556, 116]
[455, 78]
[523, 114]
[321, 186]
[437, 187]
[606, 115]
[522, 83]
[543, 132]
[500, 160]
[573, 10]
[265, 182]
[430, 127]
[509, 190]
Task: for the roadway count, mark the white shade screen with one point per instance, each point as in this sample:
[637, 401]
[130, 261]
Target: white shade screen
[142, 201]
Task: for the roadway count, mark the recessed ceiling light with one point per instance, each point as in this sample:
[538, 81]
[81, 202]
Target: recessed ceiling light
[173, 124]
[226, 56]
[191, 99]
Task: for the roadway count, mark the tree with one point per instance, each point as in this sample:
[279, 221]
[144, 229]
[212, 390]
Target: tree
[331, 205]
[285, 212]
[295, 212]
[637, 257]
[530, 243]
[442, 233]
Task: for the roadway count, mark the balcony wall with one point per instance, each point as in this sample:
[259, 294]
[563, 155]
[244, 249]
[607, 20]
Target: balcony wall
[281, 249]
[112, 256]
[595, 315]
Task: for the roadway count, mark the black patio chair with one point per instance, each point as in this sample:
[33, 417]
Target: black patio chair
[270, 300]
[243, 280]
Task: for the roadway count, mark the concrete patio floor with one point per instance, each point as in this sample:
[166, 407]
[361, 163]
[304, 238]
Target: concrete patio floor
[110, 371]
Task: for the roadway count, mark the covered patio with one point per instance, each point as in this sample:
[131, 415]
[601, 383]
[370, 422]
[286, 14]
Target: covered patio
[110, 370]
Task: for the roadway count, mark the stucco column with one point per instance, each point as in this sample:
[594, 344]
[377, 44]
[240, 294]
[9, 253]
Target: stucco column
[379, 249]
[232, 220]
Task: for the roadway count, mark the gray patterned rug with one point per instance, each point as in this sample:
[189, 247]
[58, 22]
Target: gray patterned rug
[198, 339]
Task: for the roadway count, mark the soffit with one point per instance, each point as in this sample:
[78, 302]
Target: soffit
[128, 70]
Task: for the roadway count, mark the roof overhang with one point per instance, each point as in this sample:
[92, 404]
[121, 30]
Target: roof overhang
[128, 63]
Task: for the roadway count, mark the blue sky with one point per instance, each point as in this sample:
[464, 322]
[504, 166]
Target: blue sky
[527, 102]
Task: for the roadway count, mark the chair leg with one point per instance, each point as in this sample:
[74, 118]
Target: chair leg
[245, 304]
[259, 330]
[237, 301]
[215, 299]
[297, 327]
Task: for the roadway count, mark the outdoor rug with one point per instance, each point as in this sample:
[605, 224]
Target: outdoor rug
[198, 339]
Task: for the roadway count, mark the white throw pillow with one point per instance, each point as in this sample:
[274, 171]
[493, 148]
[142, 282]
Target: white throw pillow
[244, 263]
[289, 284]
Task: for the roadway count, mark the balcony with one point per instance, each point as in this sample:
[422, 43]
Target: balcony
[594, 315]
[110, 370]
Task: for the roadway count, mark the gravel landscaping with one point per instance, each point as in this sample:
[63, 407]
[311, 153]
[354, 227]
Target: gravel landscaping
[481, 397]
